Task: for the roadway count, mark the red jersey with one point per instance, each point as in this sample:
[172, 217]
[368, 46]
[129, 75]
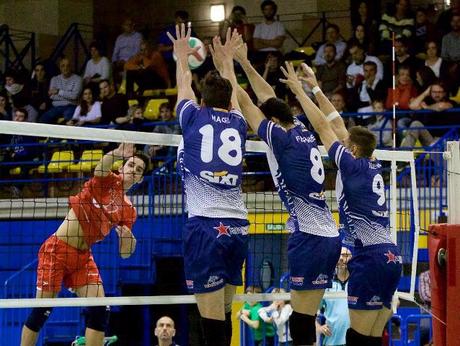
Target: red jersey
[101, 205]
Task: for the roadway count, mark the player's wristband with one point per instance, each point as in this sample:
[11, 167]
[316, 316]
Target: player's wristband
[333, 115]
[315, 90]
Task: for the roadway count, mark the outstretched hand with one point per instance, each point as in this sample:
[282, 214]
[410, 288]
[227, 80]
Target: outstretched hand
[221, 52]
[180, 43]
[292, 81]
[125, 150]
[240, 54]
[308, 75]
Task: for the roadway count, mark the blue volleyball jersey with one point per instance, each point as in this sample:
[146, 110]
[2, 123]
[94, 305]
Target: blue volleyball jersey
[361, 197]
[297, 169]
[210, 160]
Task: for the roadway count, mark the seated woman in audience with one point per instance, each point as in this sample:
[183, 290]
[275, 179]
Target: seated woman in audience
[19, 94]
[360, 35]
[405, 90]
[88, 111]
[39, 86]
[424, 77]
[5, 107]
[97, 68]
[433, 59]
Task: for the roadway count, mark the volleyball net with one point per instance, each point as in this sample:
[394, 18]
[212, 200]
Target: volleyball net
[34, 201]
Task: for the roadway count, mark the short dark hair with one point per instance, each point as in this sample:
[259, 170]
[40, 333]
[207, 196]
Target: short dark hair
[216, 90]
[23, 111]
[364, 139]
[332, 46]
[403, 40]
[269, 3]
[104, 81]
[275, 107]
[141, 155]
[355, 43]
[333, 26]
[370, 63]
[165, 105]
[238, 8]
[181, 14]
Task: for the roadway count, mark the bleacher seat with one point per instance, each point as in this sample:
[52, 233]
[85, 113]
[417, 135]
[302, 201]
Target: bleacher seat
[152, 111]
[88, 161]
[60, 161]
[133, 102]
[122, 88]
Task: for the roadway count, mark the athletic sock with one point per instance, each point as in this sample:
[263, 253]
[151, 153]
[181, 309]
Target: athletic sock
[228, 327]
[214, 332]
[302, 329]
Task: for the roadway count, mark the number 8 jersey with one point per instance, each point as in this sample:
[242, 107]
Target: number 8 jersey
[297, 170]
[210, 160]
[361, 196]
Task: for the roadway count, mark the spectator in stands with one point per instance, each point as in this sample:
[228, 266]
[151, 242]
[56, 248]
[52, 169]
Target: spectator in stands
[237, 20]
[167, 117]
[403, 57]
[249, 314]
[443, 23]
[97, 68]
[165, 331]
[424, 78]
[134, 120]
[88, 111]
[451, 41]
[272, 73]
[64, 92]
[336, 316]
[363, 15]
[398, 20]
[127, 44]
[39, 86]
[355, 71]
[165, 45]
[332, 37]
[338, 100]
[278, 314]
[360, 36]
[269, 35]
[405, 90]
[381, 125]
[424, 30]
[433, 60]
[5, 107]
[331, 75]
[148, 69]
[434, 98]
[114, 106]
[19, 94]
[370, 89]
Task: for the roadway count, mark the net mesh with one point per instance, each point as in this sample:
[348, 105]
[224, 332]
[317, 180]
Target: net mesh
[34, 201]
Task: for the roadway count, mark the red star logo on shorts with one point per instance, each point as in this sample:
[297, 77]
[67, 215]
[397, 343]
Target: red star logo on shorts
[222, 229]
[392, 257]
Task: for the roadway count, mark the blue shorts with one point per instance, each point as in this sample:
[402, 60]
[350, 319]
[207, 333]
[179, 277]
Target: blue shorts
[312, 260]
[214, 252]
[374, 276]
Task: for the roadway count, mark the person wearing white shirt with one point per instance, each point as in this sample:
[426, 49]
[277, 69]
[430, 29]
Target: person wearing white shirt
[355, 72]
[270, 34]
[278, 313]
[88, 111]
[98, 67]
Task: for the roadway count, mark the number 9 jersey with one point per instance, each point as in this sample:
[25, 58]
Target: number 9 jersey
[361, 196]
[210, 160]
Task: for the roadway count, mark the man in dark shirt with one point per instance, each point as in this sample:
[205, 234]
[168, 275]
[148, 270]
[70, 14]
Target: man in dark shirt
[165, 331]
[331, 75]
[114, 106]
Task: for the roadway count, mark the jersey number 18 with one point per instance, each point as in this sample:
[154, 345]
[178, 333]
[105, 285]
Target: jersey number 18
[231, 143]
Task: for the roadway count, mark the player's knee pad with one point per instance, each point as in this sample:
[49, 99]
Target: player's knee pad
[302, 326]
[37, 318]
[97, 317]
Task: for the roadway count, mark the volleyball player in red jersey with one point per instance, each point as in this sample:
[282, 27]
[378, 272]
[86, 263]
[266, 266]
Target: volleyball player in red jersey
[65, 257]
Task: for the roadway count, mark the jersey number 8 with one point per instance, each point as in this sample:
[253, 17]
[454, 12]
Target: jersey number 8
[317, 170]
[231, 143]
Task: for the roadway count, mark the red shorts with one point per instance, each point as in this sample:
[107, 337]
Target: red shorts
[60, 263]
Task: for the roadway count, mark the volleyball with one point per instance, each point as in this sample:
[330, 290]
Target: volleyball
[196, 59]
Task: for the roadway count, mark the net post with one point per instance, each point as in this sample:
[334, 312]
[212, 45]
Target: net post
[453, 182]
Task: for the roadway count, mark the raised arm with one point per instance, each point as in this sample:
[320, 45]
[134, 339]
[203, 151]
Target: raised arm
[313, 113]
[262, 89]
[183, 73]
[328, 109]
[104, 167]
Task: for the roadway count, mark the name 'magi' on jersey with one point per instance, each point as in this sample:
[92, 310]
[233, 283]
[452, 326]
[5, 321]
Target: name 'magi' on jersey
[360, 193]
[298, 172]
[210, 160]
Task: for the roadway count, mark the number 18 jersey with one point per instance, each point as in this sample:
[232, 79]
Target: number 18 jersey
[210, 160]
[297, 169]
